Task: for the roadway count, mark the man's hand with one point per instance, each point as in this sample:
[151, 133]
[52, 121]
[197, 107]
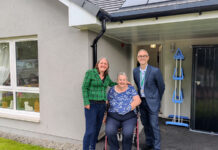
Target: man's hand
[129, 83]
[87, 106]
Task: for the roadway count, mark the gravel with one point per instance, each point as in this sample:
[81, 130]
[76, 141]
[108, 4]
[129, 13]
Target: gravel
[41, 142]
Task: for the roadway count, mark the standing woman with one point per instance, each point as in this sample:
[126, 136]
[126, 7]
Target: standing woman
[94, 88]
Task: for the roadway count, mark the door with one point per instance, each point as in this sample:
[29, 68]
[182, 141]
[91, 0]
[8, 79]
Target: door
[204, 113]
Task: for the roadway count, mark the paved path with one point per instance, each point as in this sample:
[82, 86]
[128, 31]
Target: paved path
[179, 138]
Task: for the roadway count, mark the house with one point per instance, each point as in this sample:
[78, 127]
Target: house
[45, 50]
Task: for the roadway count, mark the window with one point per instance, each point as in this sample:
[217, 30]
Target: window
[27, 63]
[19, 79]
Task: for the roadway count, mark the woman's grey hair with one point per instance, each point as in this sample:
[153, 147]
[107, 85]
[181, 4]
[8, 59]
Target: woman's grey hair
[122, 73]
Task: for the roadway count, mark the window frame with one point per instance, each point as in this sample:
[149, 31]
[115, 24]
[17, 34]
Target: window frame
[14, 113]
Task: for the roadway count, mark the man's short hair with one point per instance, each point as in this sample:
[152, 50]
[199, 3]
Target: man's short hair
[143, 50]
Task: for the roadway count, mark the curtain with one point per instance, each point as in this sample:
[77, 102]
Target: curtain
[4, 64]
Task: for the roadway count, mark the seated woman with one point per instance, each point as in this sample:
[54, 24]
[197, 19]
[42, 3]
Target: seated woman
[123, 100]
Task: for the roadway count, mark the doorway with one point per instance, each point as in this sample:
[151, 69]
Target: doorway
[204, 113]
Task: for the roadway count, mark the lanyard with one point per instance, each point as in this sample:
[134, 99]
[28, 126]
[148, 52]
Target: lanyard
[142, 79]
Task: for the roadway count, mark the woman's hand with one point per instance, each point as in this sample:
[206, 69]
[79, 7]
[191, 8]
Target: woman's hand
[87, 106]
[132, 106]
[105, 118]
[136, 101]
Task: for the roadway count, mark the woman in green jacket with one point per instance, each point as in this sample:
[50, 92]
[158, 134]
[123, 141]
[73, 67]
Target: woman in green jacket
[94, 89]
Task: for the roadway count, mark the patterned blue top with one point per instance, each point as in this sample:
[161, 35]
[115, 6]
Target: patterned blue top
[121, 102]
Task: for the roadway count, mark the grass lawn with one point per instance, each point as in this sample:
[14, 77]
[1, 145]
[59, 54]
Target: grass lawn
[6, 144]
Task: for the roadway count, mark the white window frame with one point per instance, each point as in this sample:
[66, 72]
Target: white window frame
[13, 113]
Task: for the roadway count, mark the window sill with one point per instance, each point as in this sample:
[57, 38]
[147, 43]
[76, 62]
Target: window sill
[20, 115]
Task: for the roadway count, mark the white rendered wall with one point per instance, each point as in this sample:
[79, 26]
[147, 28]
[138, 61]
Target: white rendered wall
[63, 59]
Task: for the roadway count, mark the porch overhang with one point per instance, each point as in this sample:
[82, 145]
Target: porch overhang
[186, 26]
[174, 27]
[157, 27]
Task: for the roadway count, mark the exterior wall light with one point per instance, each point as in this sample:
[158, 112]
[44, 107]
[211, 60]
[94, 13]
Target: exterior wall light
[153, 46]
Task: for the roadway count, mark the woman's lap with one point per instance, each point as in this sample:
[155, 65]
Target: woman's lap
[127, 126]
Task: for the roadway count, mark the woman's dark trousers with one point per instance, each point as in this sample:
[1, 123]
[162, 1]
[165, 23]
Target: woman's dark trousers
[94, 117]
[127, 126]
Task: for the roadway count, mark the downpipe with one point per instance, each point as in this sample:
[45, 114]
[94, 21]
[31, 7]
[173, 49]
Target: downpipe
[94, 44]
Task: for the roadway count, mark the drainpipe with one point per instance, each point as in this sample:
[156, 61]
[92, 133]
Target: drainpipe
[94, 44]
[102, 15]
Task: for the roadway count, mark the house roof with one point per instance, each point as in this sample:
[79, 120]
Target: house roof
[115, 6]
[164, 8]
[109, 5]
[114, 10]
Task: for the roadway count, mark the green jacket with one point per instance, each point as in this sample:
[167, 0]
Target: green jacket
[93, 88]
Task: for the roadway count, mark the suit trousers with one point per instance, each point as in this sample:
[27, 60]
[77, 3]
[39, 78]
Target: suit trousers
[149, 120]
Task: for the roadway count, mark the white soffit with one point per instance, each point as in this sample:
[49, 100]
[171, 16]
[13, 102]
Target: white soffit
[185, 26]
[79, 17]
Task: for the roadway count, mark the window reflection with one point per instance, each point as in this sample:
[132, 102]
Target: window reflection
[27, 63]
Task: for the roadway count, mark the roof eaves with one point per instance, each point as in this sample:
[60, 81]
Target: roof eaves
[166, 10]
[88, 6]
[92, 9]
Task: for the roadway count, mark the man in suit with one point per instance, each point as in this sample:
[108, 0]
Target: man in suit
[150, 84]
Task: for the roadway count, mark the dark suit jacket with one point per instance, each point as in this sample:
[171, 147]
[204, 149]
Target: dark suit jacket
[153, 88]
